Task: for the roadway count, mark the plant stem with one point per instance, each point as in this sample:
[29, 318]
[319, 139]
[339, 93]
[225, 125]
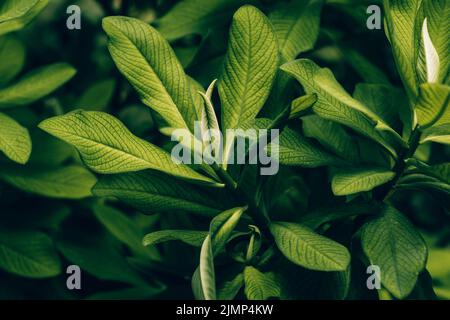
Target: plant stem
[400, 166]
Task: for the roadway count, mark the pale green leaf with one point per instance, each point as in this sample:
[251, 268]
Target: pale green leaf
[391, 242]
[331, 136]
[70, 182]
[249, 69]
[15, 140]
[438, 134]
[334, 103]
[36, 85]
[193, 238]
[28, 254]
[353, 180]
[297, 27]
[432, 33]
[259, 285]
[152, 192]
[432, 107]
[308, 249]
[16, 14]
[206, 267]
[145, 58]
[107, 146]
[296, 150]
[302, 104]
[196, 16]
[12, 57]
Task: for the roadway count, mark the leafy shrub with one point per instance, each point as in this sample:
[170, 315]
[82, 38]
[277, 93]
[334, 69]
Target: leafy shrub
[355, 169]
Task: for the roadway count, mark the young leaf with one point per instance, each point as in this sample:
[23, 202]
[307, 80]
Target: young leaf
[12, 57]
[391, 242]
[432, 29]
[439, 171]
[260, 286]
[249, 69]
[28, 254]
[432, 107]
[332, 136]
[15, 140]
[302, 104]
[222, 226]
[193, 238]
[308, 249]
[107, 146]
[16, 14]
[152, 192]
[145, 58]
[207, 274]
[70, 182]
[296, 27]
[208, 118]
[36, 85]
[353, 180]
[296, 150]
[334, 103]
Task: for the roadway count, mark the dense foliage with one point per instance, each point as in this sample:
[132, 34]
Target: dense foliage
[87, 178]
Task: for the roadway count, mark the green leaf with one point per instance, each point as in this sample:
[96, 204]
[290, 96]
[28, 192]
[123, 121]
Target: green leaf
[439, 171]
[432, 33]
[16, 14]
[145, 58]
[249, 69]
[230, 289]
[36, 85]
[369, 72]
[12, 57]
[301, 105]
[151, 192]
[401, 25]
[297, 27]
[97, 96]
[334, 103]
[193, 238]
[308, 249]
[422, 181]
[331, 136]
[353, 180]
[432, 107]
[296, 150]
[207, 274]
[100, 257]
[391, 242]
[70, 182]
[196, 16]
[384, 100]
[15, 140]
[28, 254]
[438, 134]
[107, 146]
[222, 226]
[122, 227]
[208, 119]
[260, 286]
